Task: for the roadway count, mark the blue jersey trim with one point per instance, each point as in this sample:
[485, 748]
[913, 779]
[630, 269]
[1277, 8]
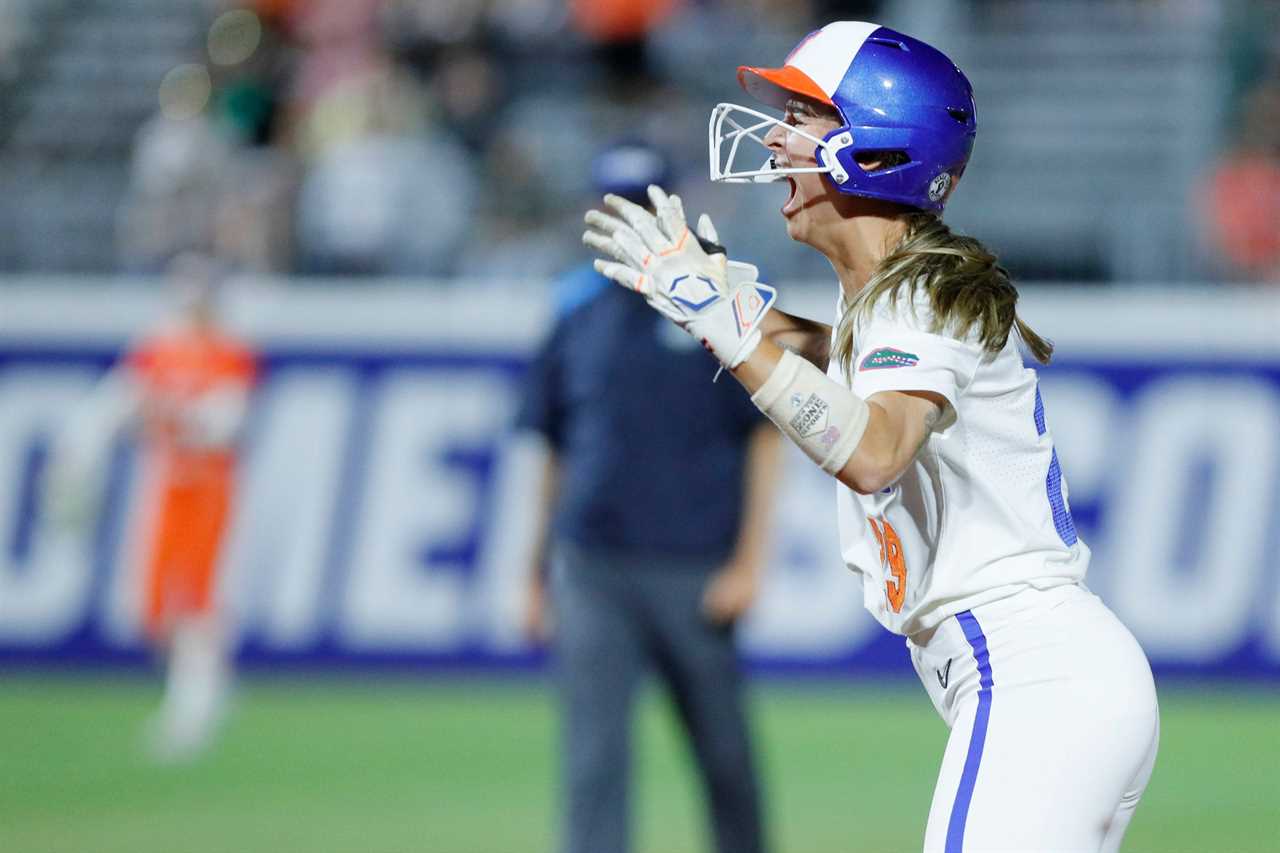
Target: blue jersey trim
[1062, 520]
[977, 740]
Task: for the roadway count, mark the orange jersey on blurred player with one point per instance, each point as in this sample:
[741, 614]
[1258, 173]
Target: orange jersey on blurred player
[183, 391]
[192, 383]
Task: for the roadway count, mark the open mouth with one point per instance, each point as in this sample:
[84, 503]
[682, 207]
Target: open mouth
[789, 206]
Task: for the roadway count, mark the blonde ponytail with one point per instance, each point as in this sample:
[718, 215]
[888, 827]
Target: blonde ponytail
[966, 285]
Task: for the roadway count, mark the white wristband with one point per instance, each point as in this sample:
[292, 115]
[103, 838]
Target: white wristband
[825, 419]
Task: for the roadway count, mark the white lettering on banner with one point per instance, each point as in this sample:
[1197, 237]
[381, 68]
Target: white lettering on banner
[1203, 609]
[45, 598]
[807, 575]
[507, 554]
[390, 516]
[1271, 614]
[291, 483]
[413, 499]
[120, 610]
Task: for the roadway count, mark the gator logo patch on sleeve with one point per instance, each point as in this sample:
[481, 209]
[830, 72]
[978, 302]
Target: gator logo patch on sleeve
[886, 357]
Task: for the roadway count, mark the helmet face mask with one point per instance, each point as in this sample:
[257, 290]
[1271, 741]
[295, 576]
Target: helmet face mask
[731, 123]
[895, 95]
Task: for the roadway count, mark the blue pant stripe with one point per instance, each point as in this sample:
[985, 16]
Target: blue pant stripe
[968, 778]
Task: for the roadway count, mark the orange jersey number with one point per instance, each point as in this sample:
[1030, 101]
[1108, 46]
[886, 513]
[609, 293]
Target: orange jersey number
[891, 558]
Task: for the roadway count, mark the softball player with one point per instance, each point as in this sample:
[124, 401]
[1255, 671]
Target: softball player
[184, 391]
[952, 505]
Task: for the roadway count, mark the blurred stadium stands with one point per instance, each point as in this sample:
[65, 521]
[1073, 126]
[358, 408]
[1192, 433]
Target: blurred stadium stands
[81, 82]
[313, 137]
[1096, 118]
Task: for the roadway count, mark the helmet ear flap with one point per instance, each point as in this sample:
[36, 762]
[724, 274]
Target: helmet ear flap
[837, 155]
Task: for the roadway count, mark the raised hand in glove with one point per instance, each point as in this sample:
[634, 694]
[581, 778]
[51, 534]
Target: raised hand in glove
[715, 300]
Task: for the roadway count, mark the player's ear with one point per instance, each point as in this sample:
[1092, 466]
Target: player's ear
[875, 161]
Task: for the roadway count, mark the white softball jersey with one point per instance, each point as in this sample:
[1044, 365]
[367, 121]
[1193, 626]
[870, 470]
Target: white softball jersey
[975, 541]
[982, 510]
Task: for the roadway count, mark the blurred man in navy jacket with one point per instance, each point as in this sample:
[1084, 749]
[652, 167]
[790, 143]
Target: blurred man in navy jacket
[655, 540]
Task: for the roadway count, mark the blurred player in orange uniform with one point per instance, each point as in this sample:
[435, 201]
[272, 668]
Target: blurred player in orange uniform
[194, 382]
[185, 390]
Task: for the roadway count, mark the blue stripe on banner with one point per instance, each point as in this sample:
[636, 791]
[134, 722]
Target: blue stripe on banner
[969, 777]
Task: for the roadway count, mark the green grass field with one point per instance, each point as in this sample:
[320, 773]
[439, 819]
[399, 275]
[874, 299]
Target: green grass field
[466, 766]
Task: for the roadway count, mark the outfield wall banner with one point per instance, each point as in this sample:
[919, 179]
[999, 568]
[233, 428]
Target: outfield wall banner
[385, 503]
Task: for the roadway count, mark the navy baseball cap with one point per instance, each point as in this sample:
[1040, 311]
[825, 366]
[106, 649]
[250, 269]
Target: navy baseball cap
[627, 168]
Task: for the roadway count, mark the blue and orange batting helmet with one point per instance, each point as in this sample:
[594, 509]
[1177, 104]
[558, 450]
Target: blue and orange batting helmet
[895, 94]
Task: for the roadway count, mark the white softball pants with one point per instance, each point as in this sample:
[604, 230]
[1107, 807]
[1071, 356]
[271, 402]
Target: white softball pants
[1054, 725]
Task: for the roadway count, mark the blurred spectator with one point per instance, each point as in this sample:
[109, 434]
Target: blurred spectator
[469, 84]
[252, 227]
[386, 191]
[252, 61]
[184, 391]
[178, 168]
[658, 541]
[344, 84]
[1243, 192]
[619, 21]
[386, 205]
[204, 175]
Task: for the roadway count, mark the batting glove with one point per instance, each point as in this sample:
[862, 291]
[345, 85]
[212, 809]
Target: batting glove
[685, 276]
